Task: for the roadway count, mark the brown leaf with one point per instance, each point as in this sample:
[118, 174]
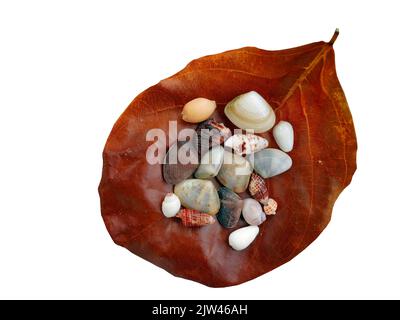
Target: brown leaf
[302, 86]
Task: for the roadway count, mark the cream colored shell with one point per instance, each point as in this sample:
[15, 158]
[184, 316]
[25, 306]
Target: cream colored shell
[198, 110]
[250, 111]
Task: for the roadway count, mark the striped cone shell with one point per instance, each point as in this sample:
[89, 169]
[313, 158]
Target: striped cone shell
[194, 218]
[270, 207]
[258, 188]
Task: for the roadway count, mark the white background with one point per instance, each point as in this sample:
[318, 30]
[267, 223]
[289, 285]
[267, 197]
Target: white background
[68, 69]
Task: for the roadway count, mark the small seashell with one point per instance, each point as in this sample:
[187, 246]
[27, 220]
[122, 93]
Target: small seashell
[271, 162]
[173, 170]
[198, 110]
[251, 111]
[199, 195]
[231, 207]
[284, 136]
[210, 163]
[270, 207]
[211, 133]
[253, 212]
[258, 188]
[194, 218]
[246, 143]
[171, 205]
[235, 172]
[241, 238]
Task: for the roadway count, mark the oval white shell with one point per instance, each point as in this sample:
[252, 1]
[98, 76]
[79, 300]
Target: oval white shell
[251, 111]
[284, 136]
[210, 163]
[271, 162]
[253, 212]
[171, 205]
[240, 239]
[246, 143]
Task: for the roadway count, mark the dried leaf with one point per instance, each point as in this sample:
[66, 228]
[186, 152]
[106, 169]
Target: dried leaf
[302, 86]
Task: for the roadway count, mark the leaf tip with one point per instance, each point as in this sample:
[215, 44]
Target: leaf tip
[334, 37]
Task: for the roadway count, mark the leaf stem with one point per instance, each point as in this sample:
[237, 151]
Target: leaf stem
[334, 37]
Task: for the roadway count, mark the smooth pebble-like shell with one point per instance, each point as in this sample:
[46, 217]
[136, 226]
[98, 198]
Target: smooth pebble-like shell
[231, 207]
[271, 207]
[284, 135]
[199, 195]
[252, 212]
[246, 143]
[194, 218]
[171, 205]
[198, 110]
[271, 162]
[258, 188]
[235, 172]
[210, 163]
[251, 111]
[211, 133]
[173, 170]
[241, 238]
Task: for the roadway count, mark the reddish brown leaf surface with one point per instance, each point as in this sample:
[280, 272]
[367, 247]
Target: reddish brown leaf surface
[302, 86]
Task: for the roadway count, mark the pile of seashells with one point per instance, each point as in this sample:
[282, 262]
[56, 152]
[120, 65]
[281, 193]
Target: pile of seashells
[243, 163]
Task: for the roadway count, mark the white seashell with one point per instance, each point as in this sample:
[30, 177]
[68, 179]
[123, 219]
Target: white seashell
[240, 239]
[246, 143]
[210, 163]
[251, 111]
[271, 162]
[253, 212]
[284, 136]
[171, 205]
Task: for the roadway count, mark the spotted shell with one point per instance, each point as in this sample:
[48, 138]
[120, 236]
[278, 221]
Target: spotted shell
[194, 218]
[258, 188]
[270, 207]
[246, 143]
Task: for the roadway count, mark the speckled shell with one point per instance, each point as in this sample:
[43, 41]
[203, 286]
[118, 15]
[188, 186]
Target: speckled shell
[211, 133]
[231, 208]
[258, 188]
[271, 207]
[246, 143]
[194, 218]
[174, 171]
